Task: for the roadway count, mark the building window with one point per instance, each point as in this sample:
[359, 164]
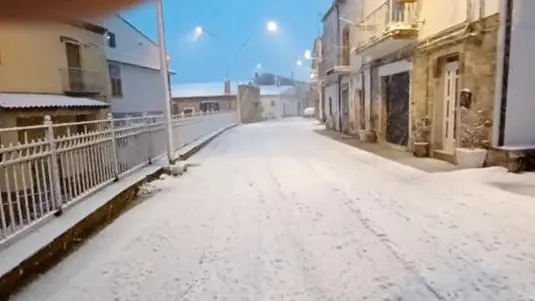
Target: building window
[210, 107]
[272, 103]
[115, 78]
[112, 42]
[330, 106]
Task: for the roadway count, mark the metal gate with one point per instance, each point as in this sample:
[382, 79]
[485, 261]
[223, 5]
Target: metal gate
[397, 108]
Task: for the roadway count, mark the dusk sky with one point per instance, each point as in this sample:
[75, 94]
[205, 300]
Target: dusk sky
[229, 23]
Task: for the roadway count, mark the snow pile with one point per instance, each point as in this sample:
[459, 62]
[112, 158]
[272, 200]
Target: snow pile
[177, 169]
[147, 188]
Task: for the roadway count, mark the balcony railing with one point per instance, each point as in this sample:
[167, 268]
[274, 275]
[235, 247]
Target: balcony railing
[76, 80]
[393, 18]
[344, 56]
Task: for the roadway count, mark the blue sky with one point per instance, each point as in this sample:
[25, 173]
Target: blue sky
[229, 23]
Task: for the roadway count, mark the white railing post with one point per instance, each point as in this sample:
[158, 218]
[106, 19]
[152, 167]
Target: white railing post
[148, 135]
[54, 168]
[113, 136]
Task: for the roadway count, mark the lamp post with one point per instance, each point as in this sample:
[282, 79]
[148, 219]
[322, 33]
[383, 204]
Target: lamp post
[271, 27]
[165, 79]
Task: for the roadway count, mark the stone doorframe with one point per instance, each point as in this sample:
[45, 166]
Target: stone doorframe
[437, 81]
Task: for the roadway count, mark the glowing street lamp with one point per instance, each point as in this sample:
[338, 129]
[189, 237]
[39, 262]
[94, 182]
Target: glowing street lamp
[272, 26]
[308, 54]
[299, 63]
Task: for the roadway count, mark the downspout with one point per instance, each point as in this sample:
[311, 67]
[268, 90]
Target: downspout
[337, 62]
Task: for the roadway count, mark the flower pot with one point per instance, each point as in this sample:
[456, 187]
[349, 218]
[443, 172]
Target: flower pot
[421, 149]
[367, 136]
[471, 157]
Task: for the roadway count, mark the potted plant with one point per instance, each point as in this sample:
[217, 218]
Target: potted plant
[474, 138]
[421, 133]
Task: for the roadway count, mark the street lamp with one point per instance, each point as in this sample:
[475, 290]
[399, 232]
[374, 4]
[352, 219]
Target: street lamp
[299, 63]
[165, 78]
[199, 31]
[272, 26]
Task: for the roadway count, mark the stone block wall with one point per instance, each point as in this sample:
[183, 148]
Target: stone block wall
[476, 55]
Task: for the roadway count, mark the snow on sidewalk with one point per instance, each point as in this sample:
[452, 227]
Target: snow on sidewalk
[276, 212]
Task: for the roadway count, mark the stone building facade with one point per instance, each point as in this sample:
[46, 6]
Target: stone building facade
[461, 58]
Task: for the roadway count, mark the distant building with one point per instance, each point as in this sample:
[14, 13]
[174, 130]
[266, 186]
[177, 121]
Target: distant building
[271, 101]
[269, 79]
[203, 97]
[134, 67]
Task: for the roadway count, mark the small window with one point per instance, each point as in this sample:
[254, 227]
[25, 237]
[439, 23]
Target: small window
[112, 43]
[272, 103]
[115, 78]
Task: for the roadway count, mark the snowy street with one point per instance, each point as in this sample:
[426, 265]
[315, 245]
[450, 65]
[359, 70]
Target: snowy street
[275, 211]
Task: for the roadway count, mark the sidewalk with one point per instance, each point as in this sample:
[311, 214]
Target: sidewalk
[498, 177]
[48, 243]
[425, 164]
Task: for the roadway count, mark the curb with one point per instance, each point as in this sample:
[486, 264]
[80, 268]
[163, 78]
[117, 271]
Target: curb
[189, 153]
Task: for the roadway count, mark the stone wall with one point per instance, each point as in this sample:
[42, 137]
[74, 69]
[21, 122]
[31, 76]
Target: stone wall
[249, 100]
[476, 54]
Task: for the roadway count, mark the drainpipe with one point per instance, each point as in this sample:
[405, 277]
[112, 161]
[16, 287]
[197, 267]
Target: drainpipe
[339, 77]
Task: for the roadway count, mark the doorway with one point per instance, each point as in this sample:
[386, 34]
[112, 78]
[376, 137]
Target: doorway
[397, 108]
[345, 109]
[451, 92]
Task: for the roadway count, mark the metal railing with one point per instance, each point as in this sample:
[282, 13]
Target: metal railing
[389, 16]
[83, 81]
[55, 165]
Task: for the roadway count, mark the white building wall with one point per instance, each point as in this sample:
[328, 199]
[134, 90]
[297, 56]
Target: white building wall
[519, 107]
[132, 46]
[331, 93]
[438, 15]
[138, 57]
[271, 111]
[143, 91]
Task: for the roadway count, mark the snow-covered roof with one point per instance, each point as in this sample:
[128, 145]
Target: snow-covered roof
[214, 89]
[33, 101]
[273, 90]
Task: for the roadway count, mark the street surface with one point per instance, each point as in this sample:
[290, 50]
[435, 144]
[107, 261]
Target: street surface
[276, 212]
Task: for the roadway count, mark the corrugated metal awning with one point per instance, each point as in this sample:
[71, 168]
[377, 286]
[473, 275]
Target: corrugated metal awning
[36, 101]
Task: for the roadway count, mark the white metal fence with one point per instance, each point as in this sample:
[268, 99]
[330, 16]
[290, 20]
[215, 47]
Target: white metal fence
[54, 165]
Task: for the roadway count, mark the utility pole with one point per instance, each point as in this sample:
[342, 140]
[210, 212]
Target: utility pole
[165, 78]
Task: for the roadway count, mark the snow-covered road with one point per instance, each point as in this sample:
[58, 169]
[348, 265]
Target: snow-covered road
[277, 212]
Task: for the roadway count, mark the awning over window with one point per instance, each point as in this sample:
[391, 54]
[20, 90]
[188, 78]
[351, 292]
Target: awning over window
[36, 101]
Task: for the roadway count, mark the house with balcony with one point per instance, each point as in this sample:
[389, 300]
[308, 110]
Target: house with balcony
[134, 68]
[386, 32]
[335, 65]
[315, 81]
[56, 69]
[456, 51]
